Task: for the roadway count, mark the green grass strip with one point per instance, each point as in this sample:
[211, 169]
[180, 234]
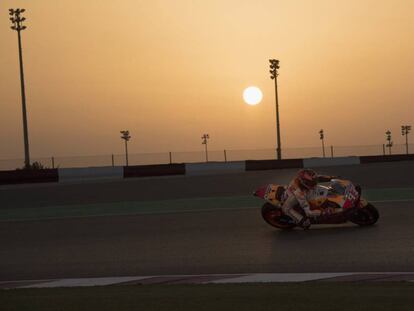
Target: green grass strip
[388, 194]
[169, 206]
[130, 208]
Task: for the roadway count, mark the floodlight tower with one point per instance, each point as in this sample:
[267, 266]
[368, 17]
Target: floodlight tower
[405, 129]
[274, 66]
[204, 142]
[17, 24]
[321, 137]
[390, 143]
[125, 136]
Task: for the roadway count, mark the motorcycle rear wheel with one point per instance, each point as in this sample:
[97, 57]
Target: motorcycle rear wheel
[366, 216]
[274, 217]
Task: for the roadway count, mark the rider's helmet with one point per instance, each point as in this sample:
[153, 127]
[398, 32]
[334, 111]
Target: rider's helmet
[307, 178]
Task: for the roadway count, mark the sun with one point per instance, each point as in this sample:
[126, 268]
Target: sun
[252, 95]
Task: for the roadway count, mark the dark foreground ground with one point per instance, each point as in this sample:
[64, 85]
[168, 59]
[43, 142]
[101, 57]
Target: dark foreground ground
[305, 296]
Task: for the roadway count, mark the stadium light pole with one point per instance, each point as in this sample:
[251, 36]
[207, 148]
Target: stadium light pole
[17, 24]
[405, 129]
[204, 142]
[322, 136]
[125, 136]
[389, 144]
[274, 66]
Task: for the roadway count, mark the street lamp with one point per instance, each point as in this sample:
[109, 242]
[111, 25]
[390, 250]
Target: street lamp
[17, 24]
[405, 129]
[125, 136]
[389, 144]
[204, 142]
[274, 66]
[323, 142]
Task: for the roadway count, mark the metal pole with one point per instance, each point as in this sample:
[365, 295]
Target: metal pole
[389, 145]
[170, 158]
[126, 137]
[206, 152]
[17, 20]
[332, 155]
[126, 152]
[225, 155]
[383, 149]
[53, 162]
[406, 142]
[323, 147]
[278, 150]
[113, 162]
[25, 127]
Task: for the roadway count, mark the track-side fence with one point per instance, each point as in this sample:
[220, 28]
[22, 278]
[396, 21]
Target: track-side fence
[187, 169]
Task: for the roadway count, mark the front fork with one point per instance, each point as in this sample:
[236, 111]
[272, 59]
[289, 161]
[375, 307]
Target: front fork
[361, 203]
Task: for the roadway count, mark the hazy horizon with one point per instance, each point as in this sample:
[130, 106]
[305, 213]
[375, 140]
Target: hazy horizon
[169, 71]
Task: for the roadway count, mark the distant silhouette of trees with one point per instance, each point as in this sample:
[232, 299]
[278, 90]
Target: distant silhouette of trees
[34, 166]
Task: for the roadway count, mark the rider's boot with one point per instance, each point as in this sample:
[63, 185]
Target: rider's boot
[300, 220]
[288, 208]
[305, 223]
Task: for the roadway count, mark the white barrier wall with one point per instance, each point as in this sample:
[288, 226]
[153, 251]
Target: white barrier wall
[320, 162]
[214, 168]
[89, 173]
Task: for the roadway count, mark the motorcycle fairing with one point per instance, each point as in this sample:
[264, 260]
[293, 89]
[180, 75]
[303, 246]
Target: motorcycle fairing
[337, 196]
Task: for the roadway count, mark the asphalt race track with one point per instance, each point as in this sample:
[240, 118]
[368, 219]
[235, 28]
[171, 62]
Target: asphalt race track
[199, 242]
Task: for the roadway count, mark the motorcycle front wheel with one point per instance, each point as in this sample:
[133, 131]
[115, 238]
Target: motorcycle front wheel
[274, 216]
[365, 216]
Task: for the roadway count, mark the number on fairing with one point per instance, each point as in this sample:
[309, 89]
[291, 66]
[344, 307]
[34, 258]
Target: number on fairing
[351, 193]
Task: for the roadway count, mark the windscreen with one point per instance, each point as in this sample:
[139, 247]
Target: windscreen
[337, 188]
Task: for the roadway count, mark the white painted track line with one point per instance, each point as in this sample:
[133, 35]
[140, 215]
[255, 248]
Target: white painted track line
[85, 282]
[280, 277]
[203, 279]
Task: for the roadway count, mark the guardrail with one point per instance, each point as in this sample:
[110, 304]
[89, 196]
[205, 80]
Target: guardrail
[387, 158]
[28, 176]
[187, 169]
[227, 155]
[255, 165]
[154, 170]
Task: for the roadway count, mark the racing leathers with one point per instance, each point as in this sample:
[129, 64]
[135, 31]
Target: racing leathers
[296, 194]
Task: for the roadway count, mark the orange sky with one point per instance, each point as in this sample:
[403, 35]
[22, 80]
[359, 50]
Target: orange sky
[170, 71]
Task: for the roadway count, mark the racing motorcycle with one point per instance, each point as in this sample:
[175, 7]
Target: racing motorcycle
[339, 201]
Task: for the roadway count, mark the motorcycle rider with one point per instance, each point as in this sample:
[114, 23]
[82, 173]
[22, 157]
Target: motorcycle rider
[300, 191]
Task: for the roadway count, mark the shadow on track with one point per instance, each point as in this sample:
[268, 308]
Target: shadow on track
[325, 230]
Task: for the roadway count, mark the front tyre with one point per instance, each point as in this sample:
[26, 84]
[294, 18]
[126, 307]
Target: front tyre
[365, 216]
[274, 217]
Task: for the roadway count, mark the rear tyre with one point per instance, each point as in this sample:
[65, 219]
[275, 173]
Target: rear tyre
[365, 216]
[273, 216]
